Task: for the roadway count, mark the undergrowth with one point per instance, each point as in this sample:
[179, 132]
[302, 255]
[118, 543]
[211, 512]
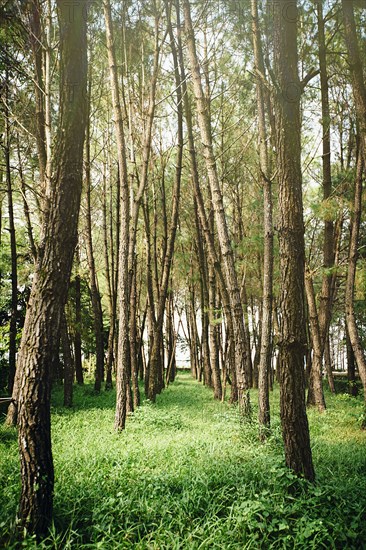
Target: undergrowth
[186, 474]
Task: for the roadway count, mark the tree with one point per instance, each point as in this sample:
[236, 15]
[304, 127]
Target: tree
[266, 325]
[295, 429]
[123, 358]
[220, 218]
[356, 68]
[51, 279]
[359, 94]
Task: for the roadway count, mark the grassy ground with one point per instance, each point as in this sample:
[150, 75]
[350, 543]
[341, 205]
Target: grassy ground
[186, 475]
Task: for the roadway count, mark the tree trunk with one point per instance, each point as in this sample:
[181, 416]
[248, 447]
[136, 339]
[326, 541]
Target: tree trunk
[221, 222]
[328, 365]
[133, 341]
[77, 337]
[356, 68]
[351, 367]
[123, 356]
[13, 251]
[93, 280]
[68, 363]
[315, 392]
[157, 344]
[323, 313]
[350, 282]
[51, 279]
[295, 429]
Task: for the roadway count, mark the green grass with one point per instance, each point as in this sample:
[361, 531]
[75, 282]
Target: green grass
[186, 474]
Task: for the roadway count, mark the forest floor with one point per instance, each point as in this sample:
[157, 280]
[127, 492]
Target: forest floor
[187, 474]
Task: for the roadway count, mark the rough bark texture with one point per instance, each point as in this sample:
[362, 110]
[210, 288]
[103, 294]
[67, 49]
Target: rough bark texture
[123, 355]
[155, 372]
[357, 70]
[51, 280]
[93, 278]
[220, 217]
[295, 429]
[77, 336]
[13, 252]
[324, 311]
[266, 325]
[350, 282]
[69, 366]
[315, 393]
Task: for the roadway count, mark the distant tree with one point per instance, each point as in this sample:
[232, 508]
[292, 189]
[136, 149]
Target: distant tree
[123, 358]
[204, 122]
[266, 336]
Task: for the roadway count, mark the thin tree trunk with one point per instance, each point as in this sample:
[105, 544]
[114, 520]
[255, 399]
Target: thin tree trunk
[221, 222]
[328, 365]
[69, 366]
[13, 251]
[123, 331]
[32, 243]
[77, 337]
[266, 325]
[350, 282]
[133, 341]
[315, 392]
[157, 344]
[351, 367]
[214, 336]
[357, 70]
[93, 281]
[36, 40]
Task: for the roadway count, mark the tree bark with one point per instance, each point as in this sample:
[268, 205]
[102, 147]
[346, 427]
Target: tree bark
[13, 250]
[123, 356]
[357, 70]
[351, 367]
[350, 282]
[220, 217]
[51, 279]
[323, 313]
[156, 348]
[295, 429]
[77, 337]
[93, 280]
[69, 366]
[315, 392]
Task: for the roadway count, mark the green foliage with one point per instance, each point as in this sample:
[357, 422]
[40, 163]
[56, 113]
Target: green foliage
[186, 475]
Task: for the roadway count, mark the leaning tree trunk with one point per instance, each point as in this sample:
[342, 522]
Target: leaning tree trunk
[315, 392]
[359, 94]
[266, 325]
[294, 421]
[158, 328]
[357, 70]
[93, 279]
[13, 251]
[220, 217]
[323, 314]
[77, 336]
[69, 365]
[51, 279]
[123, 356]
[350, 282]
